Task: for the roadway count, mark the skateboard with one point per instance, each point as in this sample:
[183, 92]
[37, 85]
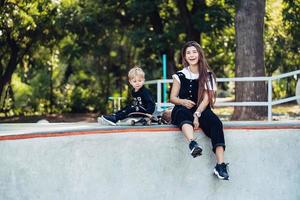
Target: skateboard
[136, 118]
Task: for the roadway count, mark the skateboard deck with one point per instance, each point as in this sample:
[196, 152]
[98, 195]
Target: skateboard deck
[139, 118]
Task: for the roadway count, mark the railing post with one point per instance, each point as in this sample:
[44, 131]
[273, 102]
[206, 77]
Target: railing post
[164, 78]
[269, 99]
[159, 95]
[119, 102]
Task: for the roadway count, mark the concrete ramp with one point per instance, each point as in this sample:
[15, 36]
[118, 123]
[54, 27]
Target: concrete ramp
[147, 165]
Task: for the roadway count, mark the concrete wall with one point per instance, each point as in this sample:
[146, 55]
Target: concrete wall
[264, 164]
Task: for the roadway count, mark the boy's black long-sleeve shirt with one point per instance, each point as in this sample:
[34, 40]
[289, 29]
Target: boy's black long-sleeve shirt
[144, 100]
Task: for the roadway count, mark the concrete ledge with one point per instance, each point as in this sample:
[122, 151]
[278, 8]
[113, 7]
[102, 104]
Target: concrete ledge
[35, 130]
[150, 165]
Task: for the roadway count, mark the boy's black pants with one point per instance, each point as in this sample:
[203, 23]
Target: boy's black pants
[123, 113]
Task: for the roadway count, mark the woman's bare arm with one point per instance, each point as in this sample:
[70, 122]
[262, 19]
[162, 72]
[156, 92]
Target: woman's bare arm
[203, 104]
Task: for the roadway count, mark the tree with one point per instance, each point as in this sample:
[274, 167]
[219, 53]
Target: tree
[90, 45]
[249, 57]
[22, 26]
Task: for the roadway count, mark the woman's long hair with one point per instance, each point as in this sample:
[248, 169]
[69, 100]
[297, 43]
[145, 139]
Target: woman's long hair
[204, 76]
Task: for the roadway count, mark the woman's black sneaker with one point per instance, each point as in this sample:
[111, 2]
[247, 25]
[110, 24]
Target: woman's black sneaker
[220, 171]
[196, 150]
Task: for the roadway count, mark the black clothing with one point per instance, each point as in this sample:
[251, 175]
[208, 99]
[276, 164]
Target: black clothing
[209, 122]
[142, 102]
[189, 88]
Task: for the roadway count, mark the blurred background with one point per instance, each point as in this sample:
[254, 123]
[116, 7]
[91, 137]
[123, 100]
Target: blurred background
[62, 59]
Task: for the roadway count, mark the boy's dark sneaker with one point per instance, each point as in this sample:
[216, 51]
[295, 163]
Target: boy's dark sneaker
[196, 150]
[111, 119]
[220, 171]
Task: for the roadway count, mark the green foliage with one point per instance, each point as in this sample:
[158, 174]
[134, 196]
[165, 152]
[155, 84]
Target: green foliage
[72, 55]
[22, 95]
[282, 43]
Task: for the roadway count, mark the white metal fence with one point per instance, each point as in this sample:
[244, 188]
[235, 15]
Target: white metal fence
[269, 103]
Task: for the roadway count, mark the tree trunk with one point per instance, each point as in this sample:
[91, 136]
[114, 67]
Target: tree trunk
[9, 70]
[249, 58]
[171, 63]
[157, 23]
[186, 16]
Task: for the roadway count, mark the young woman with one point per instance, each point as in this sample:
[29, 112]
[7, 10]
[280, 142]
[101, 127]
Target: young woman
[193, 93]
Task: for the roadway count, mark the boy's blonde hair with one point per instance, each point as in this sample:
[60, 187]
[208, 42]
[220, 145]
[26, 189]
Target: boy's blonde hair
[134, 72]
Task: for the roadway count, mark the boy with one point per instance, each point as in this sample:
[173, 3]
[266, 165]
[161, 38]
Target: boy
[142, 98]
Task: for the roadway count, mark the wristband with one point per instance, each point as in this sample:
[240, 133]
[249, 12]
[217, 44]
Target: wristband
[197, 114]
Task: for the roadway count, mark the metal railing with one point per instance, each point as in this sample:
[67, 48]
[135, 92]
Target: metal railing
[116, 102]
[269, 103]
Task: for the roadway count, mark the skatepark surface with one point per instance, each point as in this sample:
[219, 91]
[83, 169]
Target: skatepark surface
[82, 161]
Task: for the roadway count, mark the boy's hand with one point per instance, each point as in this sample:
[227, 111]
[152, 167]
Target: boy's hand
[188, 103]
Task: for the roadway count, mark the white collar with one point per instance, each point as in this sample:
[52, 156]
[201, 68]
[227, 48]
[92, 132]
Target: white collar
[188, 74]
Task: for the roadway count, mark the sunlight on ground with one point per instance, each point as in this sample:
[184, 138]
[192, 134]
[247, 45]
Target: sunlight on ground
[279, 112]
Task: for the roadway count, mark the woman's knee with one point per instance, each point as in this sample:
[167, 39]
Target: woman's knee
[218, 122]
[186, 124]
[213, 120]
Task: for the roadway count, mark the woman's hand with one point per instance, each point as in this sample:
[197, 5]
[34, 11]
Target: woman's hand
[188, 103]
[196, 122]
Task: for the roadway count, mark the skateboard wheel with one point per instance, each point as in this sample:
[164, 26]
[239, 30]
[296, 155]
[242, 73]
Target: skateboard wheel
[144, 122]
[132, 122]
